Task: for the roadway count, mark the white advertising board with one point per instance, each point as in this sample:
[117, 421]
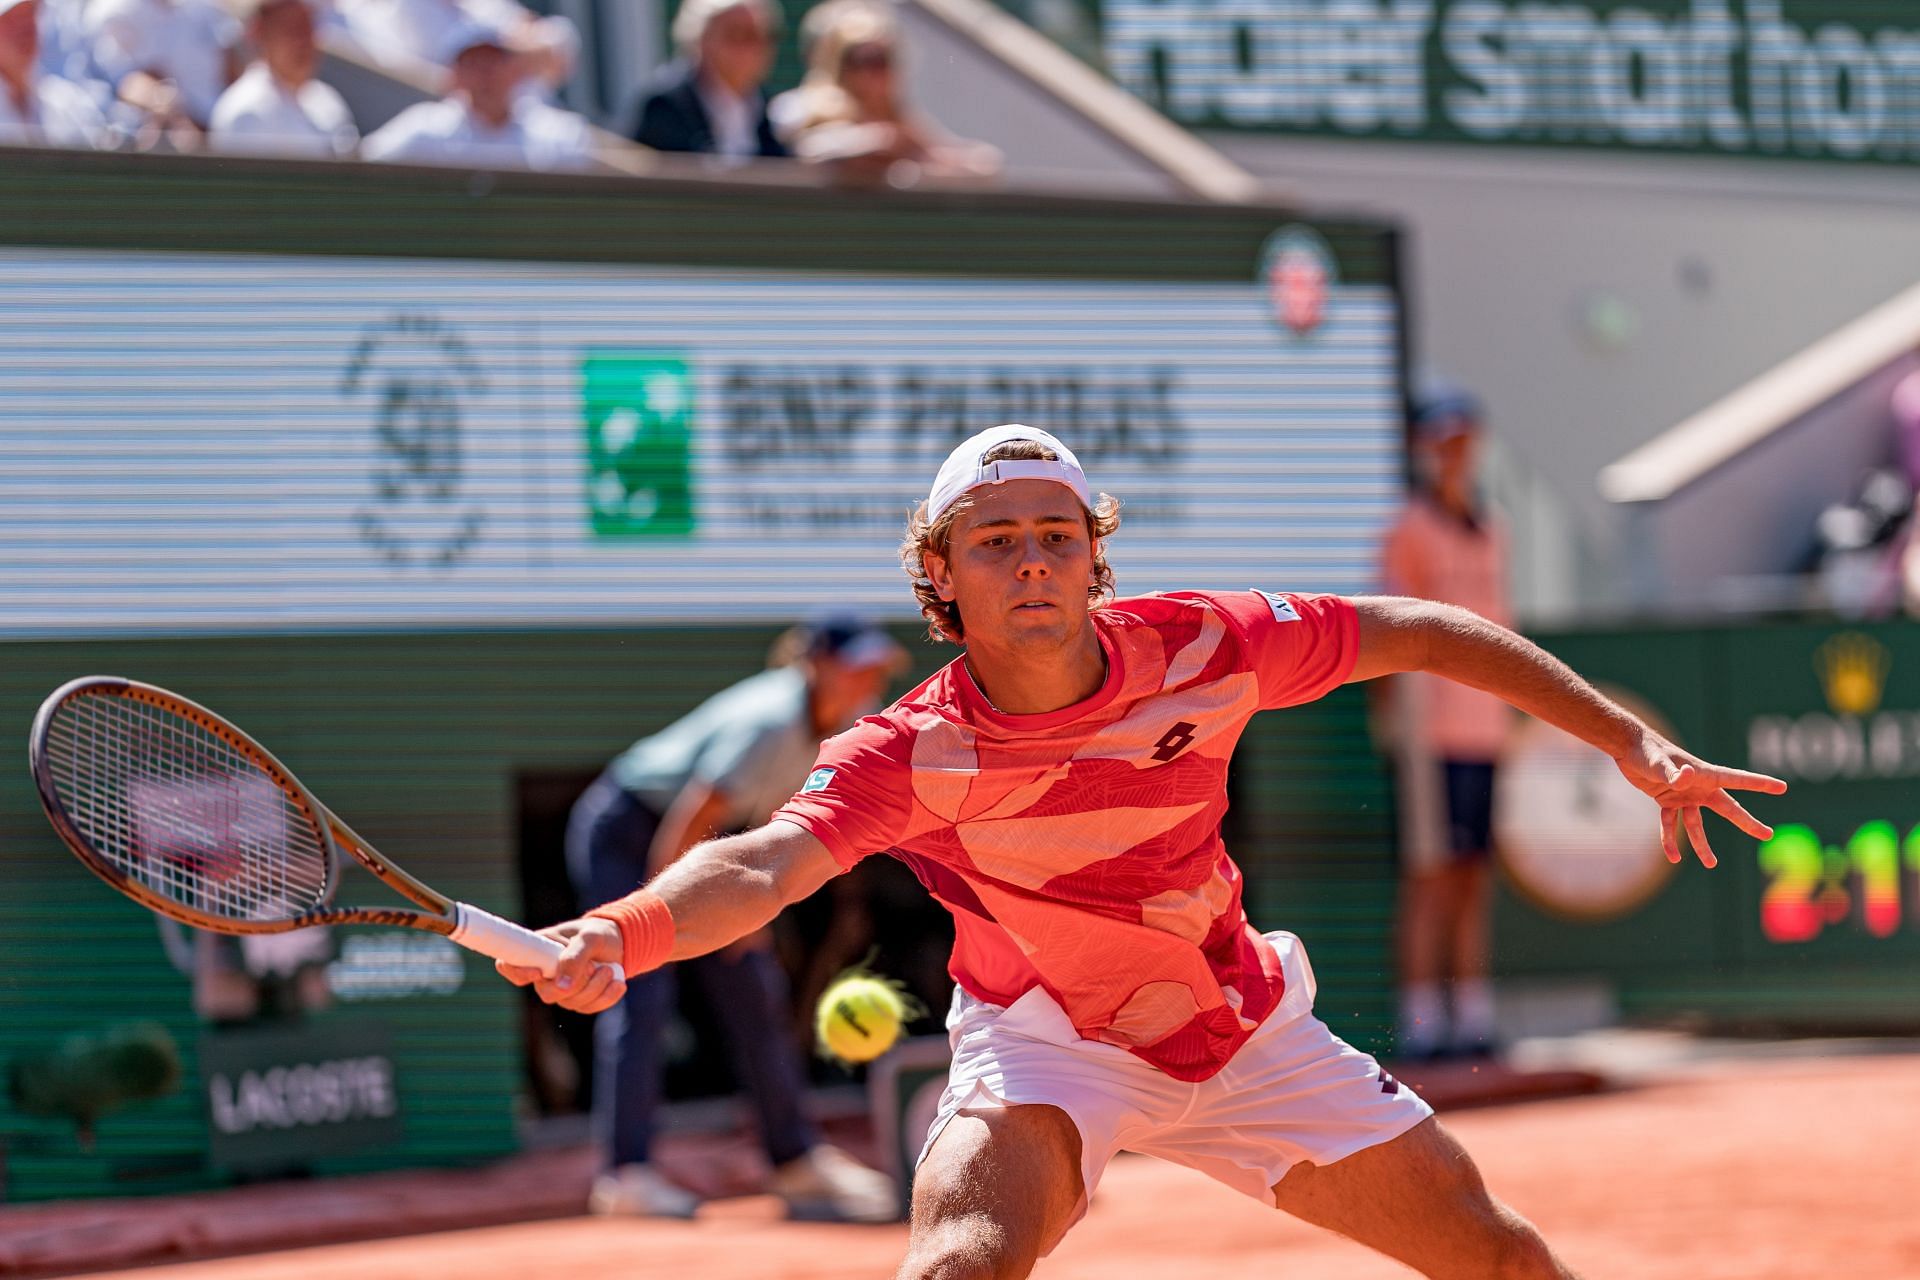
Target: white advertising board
[215, 443]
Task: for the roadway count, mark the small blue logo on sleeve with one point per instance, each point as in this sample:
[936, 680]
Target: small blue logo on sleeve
[817, 780]
[1283, 610]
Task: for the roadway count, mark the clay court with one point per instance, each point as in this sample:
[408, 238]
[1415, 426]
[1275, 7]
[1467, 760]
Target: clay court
[1770, 1168]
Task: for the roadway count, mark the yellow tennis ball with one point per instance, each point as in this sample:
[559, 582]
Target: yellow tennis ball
[859, 1018]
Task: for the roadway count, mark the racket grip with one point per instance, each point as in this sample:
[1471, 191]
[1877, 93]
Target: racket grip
[500, 939]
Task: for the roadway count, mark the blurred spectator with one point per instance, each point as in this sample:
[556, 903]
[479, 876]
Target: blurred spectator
[850, 110]
[711, 101]
[277, 107]
[483, 120]
[1447, 739]
[66, 50]
[725, 766]
[168, 59]
[1863, 546]
[418, 30]
[332, 30]
[38, 108]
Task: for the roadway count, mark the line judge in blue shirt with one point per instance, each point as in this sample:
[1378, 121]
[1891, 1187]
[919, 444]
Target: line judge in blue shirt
[725, 766]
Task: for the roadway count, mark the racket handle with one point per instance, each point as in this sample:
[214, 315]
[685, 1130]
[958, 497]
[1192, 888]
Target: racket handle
[499, 939]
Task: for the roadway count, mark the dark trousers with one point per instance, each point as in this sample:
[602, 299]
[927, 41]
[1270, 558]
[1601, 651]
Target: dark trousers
[608, 835]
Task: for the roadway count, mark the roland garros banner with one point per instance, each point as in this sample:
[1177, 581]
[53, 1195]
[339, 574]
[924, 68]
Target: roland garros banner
[199, 442]
[1826, 79]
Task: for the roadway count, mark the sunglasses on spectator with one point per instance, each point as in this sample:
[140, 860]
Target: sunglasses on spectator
[873, 58]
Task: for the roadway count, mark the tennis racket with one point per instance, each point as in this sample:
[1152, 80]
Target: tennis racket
[184, 813]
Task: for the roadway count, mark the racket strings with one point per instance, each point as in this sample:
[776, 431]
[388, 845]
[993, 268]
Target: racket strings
[183, 811]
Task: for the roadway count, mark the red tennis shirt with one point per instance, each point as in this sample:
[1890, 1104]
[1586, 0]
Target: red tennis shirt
[1079, 850]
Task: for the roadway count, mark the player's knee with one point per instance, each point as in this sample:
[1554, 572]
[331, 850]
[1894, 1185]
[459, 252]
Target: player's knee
[968, 1248]
[1517, 1251]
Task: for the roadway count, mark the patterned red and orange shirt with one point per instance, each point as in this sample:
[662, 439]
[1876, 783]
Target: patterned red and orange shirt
[1080, 850]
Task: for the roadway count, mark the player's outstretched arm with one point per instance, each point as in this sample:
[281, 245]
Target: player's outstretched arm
[1398, 634]
[719, 892]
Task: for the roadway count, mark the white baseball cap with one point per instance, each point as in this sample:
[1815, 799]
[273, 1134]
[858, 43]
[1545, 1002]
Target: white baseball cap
[469, 32]
[965, 468]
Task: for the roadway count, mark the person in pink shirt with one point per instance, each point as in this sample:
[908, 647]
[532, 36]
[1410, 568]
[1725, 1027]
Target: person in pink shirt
[1059, 788]
[1448, 739]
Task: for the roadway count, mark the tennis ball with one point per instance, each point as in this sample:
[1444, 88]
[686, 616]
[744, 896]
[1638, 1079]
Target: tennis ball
[859, 1018]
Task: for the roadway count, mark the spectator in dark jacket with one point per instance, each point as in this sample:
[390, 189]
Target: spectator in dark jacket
[711, 101]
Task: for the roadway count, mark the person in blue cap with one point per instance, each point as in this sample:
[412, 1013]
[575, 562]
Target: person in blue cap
[1448, 738]
[724, 766]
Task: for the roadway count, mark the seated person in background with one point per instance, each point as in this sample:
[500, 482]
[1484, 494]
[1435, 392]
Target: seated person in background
[549, 45]
[849, 109]
[417, 31]
[484, 120]
[710, 101]
[38, 108]
[277, 107]
[168, 59]
[66, 50]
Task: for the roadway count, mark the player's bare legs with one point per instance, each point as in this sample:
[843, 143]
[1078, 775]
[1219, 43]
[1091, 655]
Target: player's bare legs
[1420, 1199]
[996, 1188]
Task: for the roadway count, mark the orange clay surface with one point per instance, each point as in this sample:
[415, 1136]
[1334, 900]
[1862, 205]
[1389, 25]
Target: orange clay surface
[1805, 1168]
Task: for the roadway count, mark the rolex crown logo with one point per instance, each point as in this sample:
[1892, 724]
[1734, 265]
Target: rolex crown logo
[1853, 671]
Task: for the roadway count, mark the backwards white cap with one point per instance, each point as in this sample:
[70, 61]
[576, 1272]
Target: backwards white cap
[965, 468]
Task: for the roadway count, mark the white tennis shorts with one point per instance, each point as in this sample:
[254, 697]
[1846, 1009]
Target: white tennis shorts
[1294, 1092]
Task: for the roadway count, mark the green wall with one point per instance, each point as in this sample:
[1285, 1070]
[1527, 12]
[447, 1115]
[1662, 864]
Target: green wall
[1749, 942]
[83, 200]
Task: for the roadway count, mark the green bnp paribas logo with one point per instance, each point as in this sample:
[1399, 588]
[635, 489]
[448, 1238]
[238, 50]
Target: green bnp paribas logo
[638, 409]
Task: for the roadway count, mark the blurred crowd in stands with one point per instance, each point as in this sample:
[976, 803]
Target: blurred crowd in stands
[1866, 553]
[244, 76]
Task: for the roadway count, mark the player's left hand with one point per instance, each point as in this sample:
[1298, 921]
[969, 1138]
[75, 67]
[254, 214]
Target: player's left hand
[1684, 784]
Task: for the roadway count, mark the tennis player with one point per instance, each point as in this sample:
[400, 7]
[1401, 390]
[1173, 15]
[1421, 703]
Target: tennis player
[1059, 788]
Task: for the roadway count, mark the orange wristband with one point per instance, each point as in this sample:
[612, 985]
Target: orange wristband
[646, 929]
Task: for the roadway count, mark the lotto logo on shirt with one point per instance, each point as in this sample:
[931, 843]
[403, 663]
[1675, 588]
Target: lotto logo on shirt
[817, 780]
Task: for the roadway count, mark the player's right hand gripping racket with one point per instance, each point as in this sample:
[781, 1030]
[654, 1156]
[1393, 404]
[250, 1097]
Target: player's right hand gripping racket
[184, 813]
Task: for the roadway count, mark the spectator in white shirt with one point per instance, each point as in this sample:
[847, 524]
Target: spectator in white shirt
[37, 108]
[277, 107]
[484, 121]
[169, 59]
[66, 50]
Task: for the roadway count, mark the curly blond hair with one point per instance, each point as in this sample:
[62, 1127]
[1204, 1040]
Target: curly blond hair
[943, 616]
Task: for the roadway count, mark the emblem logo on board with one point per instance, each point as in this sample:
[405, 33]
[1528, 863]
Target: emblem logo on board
[638, 410]
[1853, 673]
[1298, 272]
[415, 375]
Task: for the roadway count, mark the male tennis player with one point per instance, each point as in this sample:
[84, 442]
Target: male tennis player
[1059, 788]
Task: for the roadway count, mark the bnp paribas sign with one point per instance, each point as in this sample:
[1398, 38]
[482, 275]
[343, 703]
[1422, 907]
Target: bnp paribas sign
[1831, 79]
